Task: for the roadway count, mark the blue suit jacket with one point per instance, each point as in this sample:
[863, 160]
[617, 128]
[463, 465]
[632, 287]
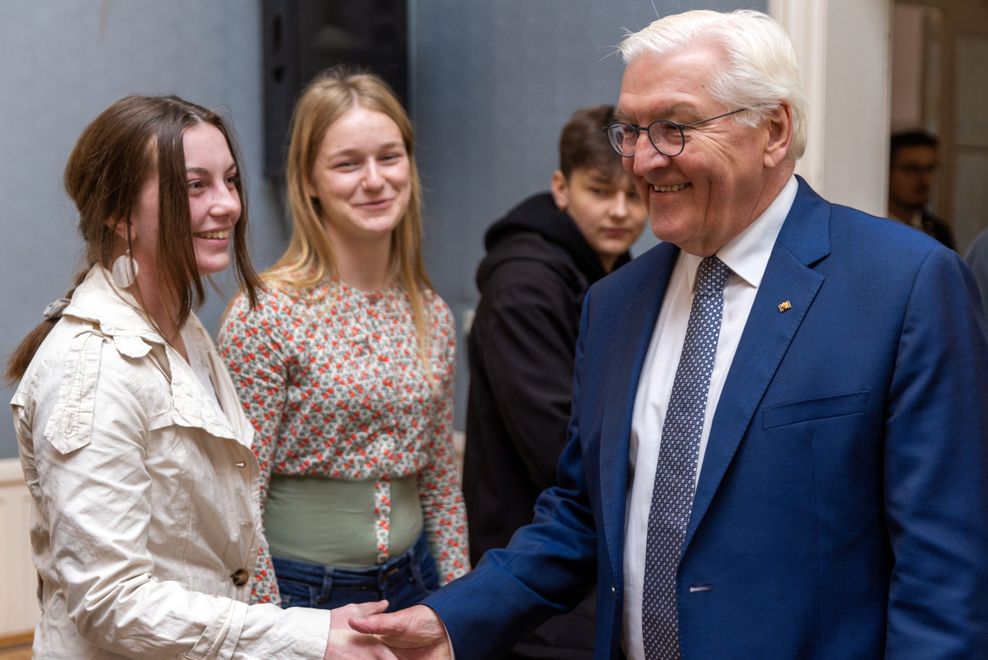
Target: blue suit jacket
[842, 505]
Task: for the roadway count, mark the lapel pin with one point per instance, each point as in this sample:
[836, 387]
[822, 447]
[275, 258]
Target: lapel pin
[785, 306]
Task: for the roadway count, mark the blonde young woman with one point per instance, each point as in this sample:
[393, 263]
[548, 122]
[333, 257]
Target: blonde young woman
[133, 443]
[345, 366]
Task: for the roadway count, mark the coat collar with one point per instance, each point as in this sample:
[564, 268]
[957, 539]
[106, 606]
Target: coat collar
[98, 300]
[789, 278]
[803, 241]
[119, 318]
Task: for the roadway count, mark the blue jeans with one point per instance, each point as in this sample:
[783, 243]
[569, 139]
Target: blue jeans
[403, 580]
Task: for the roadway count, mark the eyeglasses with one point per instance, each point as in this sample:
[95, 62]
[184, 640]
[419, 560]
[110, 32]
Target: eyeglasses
[668, 137]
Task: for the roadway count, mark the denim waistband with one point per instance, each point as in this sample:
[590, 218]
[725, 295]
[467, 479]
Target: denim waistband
[304, 571]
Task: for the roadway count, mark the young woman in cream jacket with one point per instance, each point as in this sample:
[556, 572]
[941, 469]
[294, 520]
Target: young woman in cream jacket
[136, 451]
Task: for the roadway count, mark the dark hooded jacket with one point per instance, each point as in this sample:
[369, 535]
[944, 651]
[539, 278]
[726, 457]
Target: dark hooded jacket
[521, 350]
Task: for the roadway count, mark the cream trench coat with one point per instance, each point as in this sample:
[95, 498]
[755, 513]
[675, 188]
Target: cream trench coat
[146, 521]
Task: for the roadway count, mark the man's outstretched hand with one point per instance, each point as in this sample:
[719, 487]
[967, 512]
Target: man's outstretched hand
[415, 633]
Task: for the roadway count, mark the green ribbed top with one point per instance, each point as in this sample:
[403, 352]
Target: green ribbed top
[331, 521]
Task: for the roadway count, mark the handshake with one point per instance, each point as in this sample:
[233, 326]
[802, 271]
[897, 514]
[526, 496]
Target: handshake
[365, 631]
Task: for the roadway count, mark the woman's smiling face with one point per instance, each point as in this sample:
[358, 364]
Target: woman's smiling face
[361, 176]
[214, 203]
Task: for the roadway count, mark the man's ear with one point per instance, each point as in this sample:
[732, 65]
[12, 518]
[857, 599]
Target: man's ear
[780, 131]
[560, 190]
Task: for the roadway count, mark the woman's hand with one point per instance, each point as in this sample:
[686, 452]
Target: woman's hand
[345, 643]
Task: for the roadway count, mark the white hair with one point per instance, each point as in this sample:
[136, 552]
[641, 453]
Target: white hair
[761, 71]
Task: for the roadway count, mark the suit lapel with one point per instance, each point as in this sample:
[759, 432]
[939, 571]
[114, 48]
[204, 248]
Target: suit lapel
[623, 371]
[803, 240]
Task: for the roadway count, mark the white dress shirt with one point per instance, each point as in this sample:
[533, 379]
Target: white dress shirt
[747, 256]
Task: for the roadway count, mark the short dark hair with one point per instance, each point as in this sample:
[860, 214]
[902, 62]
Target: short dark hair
[583, 143]
[911, 138]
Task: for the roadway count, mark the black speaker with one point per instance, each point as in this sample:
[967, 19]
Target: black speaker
[303, 37]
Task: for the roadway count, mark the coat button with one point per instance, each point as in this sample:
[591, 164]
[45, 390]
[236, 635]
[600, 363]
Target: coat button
[240, 577]
[614, 591]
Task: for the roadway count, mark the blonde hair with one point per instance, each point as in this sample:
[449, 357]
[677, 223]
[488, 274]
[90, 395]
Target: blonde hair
[309, 258]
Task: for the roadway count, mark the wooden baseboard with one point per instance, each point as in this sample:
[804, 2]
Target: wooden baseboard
[18, 639]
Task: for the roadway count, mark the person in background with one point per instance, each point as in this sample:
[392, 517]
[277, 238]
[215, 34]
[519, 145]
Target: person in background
[132, 440]
[977, 258]
[913, 164]
[541, 257]
[779, 439]
[345, 366]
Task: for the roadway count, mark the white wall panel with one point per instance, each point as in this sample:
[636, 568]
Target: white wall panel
[18, 582]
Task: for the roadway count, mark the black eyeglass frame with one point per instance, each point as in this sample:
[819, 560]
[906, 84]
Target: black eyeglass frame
[648, 131]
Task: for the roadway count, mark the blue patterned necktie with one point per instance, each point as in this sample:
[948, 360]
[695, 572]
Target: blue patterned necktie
[675, 473]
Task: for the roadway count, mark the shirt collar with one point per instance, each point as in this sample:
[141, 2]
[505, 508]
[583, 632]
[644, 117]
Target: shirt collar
[747, 253]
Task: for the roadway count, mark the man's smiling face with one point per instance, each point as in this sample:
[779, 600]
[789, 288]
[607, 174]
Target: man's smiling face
[718, 185]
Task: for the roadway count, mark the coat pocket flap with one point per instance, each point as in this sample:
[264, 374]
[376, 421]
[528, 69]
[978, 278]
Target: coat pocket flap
[813, 409]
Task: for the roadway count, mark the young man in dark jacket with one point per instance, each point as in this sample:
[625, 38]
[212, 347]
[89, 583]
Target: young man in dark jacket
[541, 258]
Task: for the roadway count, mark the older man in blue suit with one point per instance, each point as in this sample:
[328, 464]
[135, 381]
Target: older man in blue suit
[779, 438]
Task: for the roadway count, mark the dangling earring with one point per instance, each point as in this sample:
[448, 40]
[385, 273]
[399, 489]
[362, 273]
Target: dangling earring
[124, 270]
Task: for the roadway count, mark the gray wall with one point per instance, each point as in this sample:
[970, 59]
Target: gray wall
[64, 61]
[493, 82]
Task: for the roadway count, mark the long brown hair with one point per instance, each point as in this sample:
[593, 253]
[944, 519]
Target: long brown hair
[309, 257]
[117, 152]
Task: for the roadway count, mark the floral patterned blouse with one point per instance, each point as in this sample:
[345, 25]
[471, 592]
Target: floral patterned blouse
[332, 379]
